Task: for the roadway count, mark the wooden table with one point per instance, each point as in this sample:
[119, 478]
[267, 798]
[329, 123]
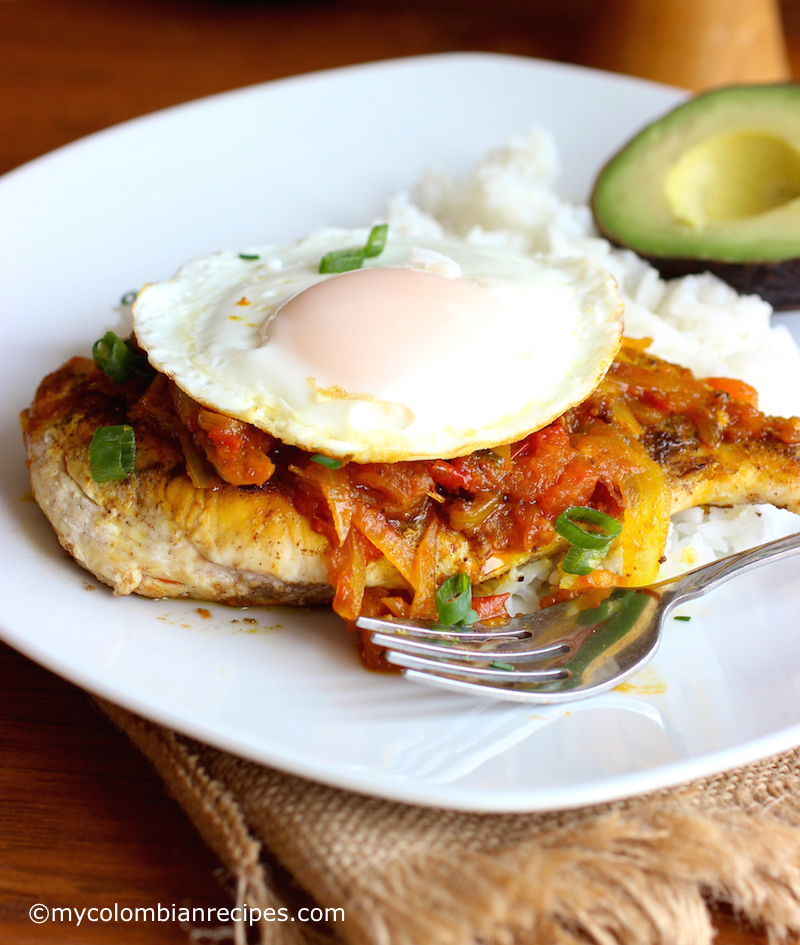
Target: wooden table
[82, 817]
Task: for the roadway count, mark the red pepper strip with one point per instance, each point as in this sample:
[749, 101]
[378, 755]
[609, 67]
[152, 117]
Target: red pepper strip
[492, 606]
[445, 474]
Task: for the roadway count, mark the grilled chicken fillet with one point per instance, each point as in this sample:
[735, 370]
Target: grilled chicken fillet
[155, 534]
[652, 440]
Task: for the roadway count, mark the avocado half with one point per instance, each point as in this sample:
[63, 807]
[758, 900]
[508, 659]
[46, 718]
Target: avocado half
[714, 186]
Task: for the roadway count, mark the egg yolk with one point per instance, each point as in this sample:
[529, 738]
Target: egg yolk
[361, 330]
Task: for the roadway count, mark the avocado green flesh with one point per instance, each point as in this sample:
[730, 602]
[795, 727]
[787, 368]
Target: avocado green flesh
[717, 179]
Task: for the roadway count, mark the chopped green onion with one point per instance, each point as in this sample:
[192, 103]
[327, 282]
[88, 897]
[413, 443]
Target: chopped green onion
[248, 256]
[581, 560]
[587, 549]
[129, 298]
[681, 617]
[376, 241]
[454, 601]
[498, 664]
[343, 260]
[328, 461]
[119, 359]
[113, 356]
[567, 527]
[112, 453]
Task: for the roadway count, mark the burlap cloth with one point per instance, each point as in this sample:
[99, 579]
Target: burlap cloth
[635, 872]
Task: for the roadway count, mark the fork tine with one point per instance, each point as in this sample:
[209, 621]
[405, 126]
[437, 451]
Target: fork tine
[587, 649]
[507, 693]
[476, 633]
[482, 674]
[471, 650]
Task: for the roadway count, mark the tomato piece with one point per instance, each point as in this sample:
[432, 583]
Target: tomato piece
[573, 487]
[491, 606]
[737, 390]
[402, 489]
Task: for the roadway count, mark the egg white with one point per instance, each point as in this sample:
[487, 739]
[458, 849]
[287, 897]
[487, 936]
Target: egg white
[449, 348]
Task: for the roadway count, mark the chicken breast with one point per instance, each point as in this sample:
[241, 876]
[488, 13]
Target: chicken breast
[749, 473]
[155, 534]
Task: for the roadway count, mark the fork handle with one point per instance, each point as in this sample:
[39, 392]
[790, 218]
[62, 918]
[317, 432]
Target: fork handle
[703, 579]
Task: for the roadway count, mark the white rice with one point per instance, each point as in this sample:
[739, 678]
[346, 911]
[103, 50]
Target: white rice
[509, 201]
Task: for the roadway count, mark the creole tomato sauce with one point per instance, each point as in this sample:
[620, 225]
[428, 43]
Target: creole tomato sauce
[480, 512]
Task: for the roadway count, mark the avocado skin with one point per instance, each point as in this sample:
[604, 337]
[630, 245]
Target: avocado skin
[776, 282]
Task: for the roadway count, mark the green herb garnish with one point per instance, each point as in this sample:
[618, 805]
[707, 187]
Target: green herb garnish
[587, 548]
[129, 298]
[248, 256]
[498, 664]
[119, 359]
[681, 617]
[376, 241]
[112, 453]
[327, 461]
[580, 561]
[343, 260]
[454, 601]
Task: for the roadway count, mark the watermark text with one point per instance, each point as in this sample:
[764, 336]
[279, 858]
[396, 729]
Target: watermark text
[247, 915]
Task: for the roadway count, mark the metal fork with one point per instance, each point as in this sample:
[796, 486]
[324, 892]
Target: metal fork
[577, 650]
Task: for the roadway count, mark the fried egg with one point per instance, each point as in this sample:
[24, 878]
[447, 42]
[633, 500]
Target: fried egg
[433, 349]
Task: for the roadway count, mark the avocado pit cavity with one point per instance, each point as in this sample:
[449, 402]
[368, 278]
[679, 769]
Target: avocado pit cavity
[732, 176]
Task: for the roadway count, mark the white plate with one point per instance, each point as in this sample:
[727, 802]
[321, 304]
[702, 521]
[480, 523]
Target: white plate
[83, 225]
